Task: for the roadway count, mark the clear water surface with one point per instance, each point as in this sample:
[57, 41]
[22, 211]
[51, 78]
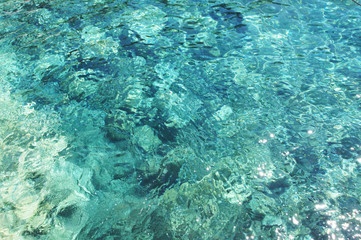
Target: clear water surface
[180, 119]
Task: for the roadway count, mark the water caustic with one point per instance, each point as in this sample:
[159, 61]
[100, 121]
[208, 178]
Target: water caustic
[180, 119]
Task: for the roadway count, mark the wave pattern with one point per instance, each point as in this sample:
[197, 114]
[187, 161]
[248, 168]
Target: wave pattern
[177, 119]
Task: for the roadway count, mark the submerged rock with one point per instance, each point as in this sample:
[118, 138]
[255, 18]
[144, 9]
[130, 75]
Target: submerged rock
[270, 220]
[147, 22]
[118, 125]
[144, 136]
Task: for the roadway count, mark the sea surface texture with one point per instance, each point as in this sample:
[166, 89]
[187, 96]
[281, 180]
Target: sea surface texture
[180, 119]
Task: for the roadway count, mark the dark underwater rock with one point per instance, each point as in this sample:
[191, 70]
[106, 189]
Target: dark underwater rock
[348, 204]
[115, 133]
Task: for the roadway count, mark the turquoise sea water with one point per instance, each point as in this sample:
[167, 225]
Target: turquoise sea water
[180, 119]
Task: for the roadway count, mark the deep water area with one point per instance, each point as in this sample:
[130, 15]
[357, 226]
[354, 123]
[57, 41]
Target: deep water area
[180, 119]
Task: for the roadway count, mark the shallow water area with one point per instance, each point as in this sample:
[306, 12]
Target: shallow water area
[180, 119]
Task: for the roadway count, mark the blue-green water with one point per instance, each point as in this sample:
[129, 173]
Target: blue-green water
[180, 119]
